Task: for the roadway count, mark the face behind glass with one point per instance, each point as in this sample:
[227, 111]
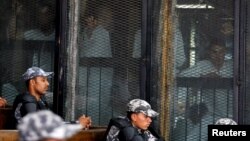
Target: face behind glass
[217, 54]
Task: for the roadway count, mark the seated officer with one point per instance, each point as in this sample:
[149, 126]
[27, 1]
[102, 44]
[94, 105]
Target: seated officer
[134, 127]
[34, 100]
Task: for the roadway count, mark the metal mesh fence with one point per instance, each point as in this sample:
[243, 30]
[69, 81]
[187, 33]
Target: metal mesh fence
[27, 39]
[106, 58]
[204, 78]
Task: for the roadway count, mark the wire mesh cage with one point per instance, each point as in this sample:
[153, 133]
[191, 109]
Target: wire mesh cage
[176, 54]
[107, 65]
[204, 81]
[27, 40]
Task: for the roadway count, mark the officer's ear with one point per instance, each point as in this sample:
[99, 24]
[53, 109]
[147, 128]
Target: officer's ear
[32, 82]
[134, 116]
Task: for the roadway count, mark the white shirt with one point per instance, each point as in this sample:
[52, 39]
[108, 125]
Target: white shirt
[98, 45]
[35, 34]
[205, 67]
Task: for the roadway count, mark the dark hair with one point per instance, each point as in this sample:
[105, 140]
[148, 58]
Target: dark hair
[129, 115]
[216, 41]
[27, 83]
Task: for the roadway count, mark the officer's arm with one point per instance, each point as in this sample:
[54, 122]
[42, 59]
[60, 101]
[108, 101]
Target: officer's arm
[30, 107]
[129, 134]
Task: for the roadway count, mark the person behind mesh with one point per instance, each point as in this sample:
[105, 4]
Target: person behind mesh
[44, 125]
[96, 80]
[135, 126]
[215, 67]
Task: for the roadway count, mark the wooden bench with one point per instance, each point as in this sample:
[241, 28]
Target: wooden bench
[5, 117]
[9, 135]
[93, 134]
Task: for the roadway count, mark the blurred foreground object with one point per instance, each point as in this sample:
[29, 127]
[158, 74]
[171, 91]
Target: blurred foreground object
[225, 121]
[44, 126]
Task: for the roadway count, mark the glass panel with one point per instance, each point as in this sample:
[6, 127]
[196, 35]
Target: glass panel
[204, 78]
[108, 59]
[27, 39]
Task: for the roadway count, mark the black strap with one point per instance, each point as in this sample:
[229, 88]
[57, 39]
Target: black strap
[42, 104]
[152, 130]
[120, 122]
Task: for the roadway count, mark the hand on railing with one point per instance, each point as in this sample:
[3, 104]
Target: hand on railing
[85, 121]
[3, 102]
